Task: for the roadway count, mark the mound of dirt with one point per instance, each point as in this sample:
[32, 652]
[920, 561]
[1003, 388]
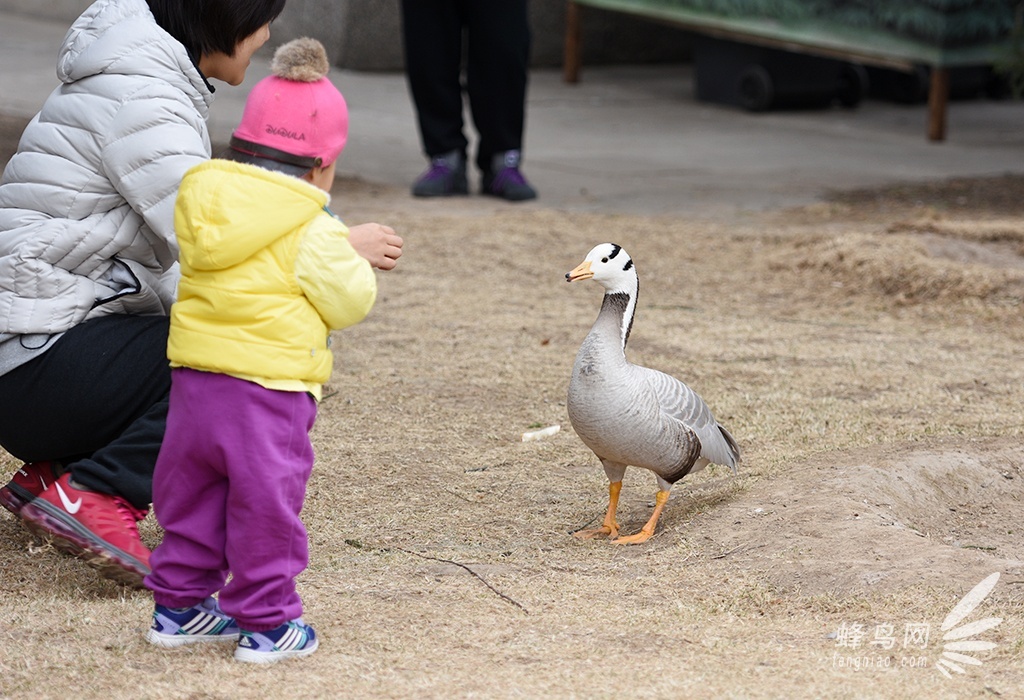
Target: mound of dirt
[1000, 195]
[907, 269]
[917, 261]
[958, 239]
[880, 518]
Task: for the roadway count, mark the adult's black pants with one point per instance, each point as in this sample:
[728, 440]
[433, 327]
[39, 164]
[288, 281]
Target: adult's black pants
[96, 402]
[497, 51]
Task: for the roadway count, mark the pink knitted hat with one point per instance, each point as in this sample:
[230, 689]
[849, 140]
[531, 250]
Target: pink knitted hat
[295, 118]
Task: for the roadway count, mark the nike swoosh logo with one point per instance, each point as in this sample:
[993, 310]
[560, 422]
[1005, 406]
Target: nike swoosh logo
[71, 507]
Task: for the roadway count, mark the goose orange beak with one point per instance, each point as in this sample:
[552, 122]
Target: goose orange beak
[580, 272]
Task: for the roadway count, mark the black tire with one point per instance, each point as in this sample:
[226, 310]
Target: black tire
[852, 85]
[754, 88]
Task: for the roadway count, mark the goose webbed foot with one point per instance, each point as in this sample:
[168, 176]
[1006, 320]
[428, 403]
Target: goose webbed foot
[609, 527]
[647, 531]
[603, 531]
[639, 537]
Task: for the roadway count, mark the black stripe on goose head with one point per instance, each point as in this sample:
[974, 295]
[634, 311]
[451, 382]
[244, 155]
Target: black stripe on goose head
[616, 249]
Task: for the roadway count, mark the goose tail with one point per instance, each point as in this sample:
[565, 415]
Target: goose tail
[734, 449]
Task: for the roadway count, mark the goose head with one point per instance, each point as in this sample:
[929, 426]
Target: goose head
[611, 267]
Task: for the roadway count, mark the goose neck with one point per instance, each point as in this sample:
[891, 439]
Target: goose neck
[617, 316]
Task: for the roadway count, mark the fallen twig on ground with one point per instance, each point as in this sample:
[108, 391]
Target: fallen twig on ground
[482, 580]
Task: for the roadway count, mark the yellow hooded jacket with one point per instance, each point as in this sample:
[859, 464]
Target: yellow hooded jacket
[266, 273]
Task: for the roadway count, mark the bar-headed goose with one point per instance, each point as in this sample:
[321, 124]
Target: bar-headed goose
[631, 415]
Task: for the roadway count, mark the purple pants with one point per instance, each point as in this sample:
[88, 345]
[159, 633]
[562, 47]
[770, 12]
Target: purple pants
[228, 489]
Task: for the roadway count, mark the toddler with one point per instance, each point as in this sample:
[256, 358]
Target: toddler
[267, 272]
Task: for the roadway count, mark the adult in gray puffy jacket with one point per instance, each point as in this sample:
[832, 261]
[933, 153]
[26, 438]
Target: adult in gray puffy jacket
[88, 262]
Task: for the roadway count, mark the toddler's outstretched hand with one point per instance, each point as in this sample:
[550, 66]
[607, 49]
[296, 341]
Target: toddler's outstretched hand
[379, 244]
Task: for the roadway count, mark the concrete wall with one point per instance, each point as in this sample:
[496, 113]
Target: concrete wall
[366, 34]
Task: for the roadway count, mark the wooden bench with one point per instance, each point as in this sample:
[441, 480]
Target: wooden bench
[864, 46]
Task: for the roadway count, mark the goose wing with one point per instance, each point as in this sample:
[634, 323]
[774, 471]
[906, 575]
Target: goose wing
[682, 403]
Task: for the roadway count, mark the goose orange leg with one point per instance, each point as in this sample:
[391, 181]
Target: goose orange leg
[609, 527]
[647, 531]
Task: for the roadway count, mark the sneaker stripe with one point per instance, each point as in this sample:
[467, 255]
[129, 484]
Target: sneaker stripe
[173, 628]
[221, 626]
[289, 640]
[202, 623]
[189, 626]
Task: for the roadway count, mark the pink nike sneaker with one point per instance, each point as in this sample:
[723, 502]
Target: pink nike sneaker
[99, 528]
[28, 482]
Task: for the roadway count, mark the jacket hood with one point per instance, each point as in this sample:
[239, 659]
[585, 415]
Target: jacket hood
[122, 37]
[228, 211]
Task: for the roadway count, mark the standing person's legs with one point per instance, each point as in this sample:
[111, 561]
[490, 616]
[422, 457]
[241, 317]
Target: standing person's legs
[96, 402]
[498, 55]
[432, 36]
[258, 440]
[190, 492]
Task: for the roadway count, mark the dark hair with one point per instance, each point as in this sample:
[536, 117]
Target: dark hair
[210, 26]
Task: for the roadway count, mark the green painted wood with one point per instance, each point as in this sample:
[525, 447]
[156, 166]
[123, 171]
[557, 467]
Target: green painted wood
[897, 33]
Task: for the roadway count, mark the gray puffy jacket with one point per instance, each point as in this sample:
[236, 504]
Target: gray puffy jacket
[87, 202]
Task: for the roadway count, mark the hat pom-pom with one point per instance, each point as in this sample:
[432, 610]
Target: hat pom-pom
[303, 60]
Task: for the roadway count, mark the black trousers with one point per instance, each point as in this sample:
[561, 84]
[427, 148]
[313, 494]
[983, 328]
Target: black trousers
[97, 402]
[497, 52]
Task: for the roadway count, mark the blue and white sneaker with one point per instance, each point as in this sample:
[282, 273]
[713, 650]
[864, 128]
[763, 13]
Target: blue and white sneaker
[290, 640]
[205, 622]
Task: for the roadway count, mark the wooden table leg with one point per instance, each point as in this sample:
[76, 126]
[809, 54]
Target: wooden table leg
[938, 101]
[573, 44]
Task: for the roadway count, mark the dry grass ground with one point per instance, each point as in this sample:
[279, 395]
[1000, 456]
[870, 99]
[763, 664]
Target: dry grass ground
[866, 354]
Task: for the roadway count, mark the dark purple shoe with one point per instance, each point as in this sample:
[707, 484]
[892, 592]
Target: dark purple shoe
[504, 179]
[445, 177]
